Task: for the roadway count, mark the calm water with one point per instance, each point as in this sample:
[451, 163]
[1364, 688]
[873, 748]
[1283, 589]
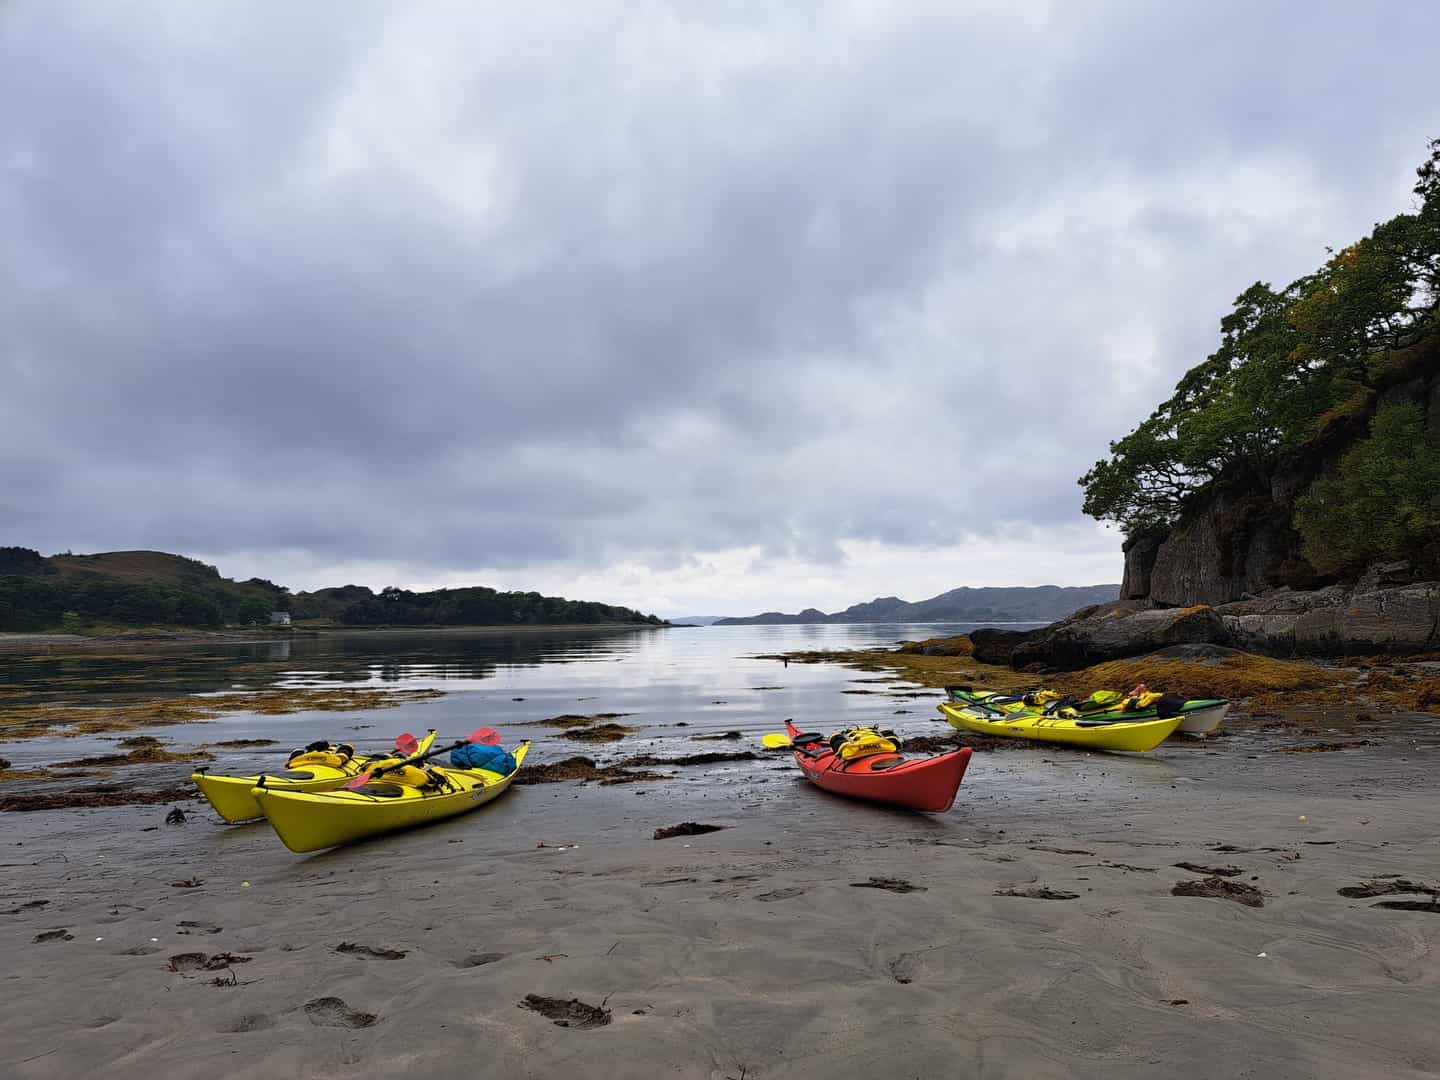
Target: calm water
[673, 683]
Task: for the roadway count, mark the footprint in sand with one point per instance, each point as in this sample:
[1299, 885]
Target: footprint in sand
[141, 950]
[779, 894]
[479, 959]
[902, 968]
[897, 885]
[333, 1012]
[52, 935]
[371, 951]
[188, 927]
[247, 1022]
[32, 905]
[1213, 871]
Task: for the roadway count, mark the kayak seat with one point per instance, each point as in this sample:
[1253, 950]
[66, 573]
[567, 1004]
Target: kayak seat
[383, 791]
[888, 763]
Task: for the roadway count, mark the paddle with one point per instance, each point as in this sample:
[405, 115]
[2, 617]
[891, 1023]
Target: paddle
[775, 740]
[488, 736]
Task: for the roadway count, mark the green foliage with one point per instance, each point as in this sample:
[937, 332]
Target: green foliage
[1382, 502]
[482, 607]
[254, 612]
[44, 600]
[20, 560]
[1289, 361]
[33, 603]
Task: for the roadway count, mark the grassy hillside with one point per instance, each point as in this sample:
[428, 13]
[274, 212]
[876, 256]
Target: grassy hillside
[155, 588]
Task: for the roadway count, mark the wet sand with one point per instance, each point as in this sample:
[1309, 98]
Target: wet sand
[761, 950]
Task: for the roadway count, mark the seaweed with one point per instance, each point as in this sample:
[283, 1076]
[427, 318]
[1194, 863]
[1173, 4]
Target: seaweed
[30, 721]
[582, 768]
[599, 733]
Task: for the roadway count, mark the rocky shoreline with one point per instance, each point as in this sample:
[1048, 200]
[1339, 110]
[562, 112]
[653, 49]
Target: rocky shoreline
[1374, 616]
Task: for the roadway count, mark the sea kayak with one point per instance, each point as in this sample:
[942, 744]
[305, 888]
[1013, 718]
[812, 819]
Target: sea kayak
[311, 769]
[927, 783]
[1198, 716]
[309, 821]
[1022, 723]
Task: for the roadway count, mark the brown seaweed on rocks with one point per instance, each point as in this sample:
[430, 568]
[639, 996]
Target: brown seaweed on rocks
[30, 721]
[599, 733]
[691, 759]
[687, 828]
[572, 1014]
[582, 768]
[91, 797]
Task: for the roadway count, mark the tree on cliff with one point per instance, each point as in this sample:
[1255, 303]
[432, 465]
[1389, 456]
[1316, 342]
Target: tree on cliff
[1383, 501]
[1290, 363]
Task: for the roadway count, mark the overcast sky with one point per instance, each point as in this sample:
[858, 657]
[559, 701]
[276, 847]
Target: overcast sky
[696, 308]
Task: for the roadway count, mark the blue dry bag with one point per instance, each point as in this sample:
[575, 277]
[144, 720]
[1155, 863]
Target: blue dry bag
[479, 756]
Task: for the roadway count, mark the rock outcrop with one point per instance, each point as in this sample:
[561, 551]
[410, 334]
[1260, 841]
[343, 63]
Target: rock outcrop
[1379, 614]
[996, 646]
[1114, 632]
[1232, 572]
[1239, 540]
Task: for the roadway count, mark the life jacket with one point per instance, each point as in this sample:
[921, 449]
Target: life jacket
[1037, 698]
[1140, 701]
[320, 753]
[856, 743]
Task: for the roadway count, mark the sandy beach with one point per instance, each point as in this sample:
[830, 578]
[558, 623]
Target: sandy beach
[136, 948]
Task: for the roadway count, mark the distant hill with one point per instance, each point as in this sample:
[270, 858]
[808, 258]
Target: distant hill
[696, 620]
[1040, 603]
[154, 588]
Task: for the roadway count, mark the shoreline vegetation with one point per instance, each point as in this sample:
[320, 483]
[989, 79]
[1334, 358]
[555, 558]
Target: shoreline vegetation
[141, 638]
[1263, 690]
[72, 594]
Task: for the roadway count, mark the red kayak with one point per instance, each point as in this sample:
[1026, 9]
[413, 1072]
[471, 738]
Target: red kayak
[927, 783]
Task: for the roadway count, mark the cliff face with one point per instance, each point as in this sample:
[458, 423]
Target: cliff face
[1241, 540]
[1232, 572]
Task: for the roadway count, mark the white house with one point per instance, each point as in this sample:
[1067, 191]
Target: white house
[279, 618]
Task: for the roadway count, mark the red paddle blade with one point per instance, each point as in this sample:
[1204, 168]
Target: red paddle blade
[359, 782]
[488, 736]
[407, 744]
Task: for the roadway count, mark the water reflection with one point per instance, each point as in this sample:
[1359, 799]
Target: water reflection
[676, 682]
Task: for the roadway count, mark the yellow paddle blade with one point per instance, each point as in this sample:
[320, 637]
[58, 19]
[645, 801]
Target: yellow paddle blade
[775, 739]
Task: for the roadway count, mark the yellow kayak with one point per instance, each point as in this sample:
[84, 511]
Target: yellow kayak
[1136, 735]
[310, 770]
[309, 821]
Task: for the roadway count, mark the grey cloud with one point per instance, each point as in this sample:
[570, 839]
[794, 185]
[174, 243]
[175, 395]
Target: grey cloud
[458, 286]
